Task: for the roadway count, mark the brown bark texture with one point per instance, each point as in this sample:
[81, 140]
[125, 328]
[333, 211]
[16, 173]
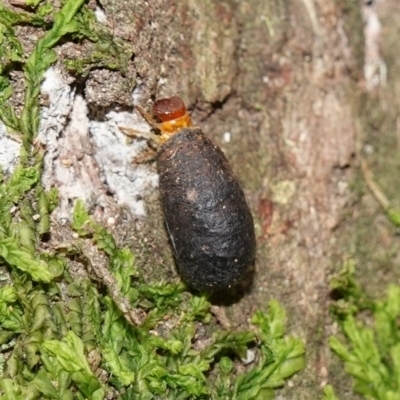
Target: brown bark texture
[277, 79]
[274, 83]
[271, 83]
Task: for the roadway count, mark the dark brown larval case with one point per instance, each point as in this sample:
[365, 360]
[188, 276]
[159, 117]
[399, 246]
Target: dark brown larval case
[207, 217]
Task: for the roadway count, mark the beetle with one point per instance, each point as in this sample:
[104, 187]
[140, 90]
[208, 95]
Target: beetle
[209, 223]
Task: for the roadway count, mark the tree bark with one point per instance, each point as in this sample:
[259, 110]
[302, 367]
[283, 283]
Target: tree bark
[273, 82]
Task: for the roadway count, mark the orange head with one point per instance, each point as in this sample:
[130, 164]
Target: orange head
[173, 115]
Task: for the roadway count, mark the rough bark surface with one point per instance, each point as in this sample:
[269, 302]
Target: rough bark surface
[273, 83]
[270, 82]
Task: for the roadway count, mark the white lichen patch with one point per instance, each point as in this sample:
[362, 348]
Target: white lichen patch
[375, 69]
[90, 160]
[100, 15]
[126, 180]
[53, 118]
[75, 172]
[9, 150]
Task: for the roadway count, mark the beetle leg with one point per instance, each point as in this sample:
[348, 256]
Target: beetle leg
[133, 133]
[145, 157]
[153, 141]
[149, 118]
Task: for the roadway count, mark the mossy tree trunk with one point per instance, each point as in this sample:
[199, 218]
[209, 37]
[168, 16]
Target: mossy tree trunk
[275, 83]
[279, 76]
[272, 82]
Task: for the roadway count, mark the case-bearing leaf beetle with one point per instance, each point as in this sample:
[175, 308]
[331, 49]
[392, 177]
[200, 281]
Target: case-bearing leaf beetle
[208, 220]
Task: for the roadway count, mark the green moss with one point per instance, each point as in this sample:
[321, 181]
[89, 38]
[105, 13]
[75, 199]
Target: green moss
[371, 349]
[107, 51]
